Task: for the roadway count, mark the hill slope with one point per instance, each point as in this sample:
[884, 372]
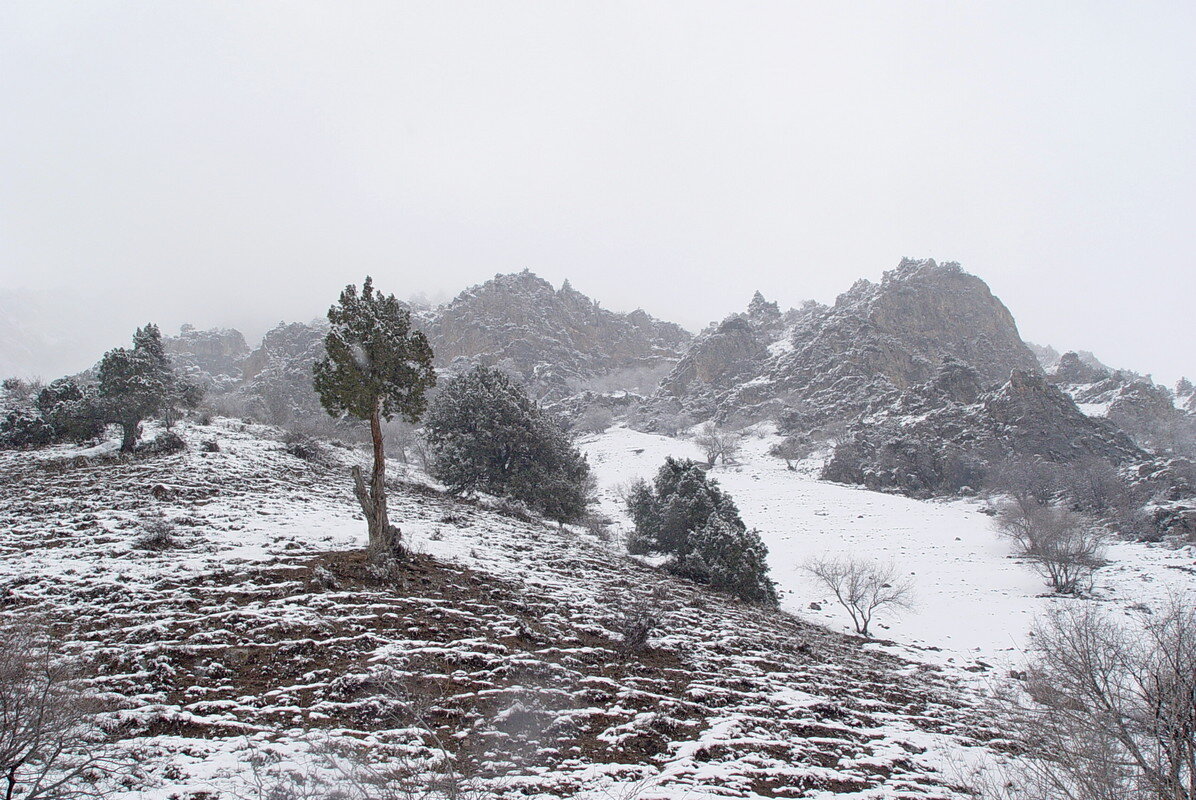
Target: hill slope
[262, 630]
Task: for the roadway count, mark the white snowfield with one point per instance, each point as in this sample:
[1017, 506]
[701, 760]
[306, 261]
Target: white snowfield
[974, 604]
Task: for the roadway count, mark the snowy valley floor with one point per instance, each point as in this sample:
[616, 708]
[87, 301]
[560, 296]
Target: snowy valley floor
[974, 604]
[264, 633]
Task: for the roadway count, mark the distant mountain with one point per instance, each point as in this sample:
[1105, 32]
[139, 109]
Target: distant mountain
[557, 341]
[824, 363]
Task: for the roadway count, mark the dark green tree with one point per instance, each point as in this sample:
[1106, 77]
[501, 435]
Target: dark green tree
[135, 384]
[686, 516]
[375, 366]
[486, 434]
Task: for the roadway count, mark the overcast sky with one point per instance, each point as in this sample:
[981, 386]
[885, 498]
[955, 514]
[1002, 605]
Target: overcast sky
[237, 163]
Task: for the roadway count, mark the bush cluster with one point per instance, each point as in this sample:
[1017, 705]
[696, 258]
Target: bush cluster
[686, 516]
[486, 435]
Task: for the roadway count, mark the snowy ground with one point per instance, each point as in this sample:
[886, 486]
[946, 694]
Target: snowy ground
[973, 602]
[263, 627]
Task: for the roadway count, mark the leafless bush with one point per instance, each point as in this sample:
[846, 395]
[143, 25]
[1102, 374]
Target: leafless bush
[157, 533]
[341, 768]
[1028, 481]
[1064, 545]
[596, 419]
[598, 525]
[718, 443]
[306, 447]
[793, 448]
[1109, 709]
[862, 587]
[50, 743]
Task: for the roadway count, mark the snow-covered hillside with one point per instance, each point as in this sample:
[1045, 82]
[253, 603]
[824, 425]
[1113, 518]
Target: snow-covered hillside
[258, 634]
[974, 603]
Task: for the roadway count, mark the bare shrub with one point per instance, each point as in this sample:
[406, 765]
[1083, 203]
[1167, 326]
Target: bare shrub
[342, 768]
[793, 448]
[596, 419]
[1065, 546]
[157, 533]
[1028, 481]
[718, 443]
[305, 447]
[1109, 709]
[50, 743]
[862, 587]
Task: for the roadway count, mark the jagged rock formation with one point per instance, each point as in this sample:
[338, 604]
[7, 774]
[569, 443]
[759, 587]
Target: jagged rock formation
[943, 435]
[822, 363]
[1048, 357]
[1073, 369]
[277, 376]
[212, 358]
[556, 341]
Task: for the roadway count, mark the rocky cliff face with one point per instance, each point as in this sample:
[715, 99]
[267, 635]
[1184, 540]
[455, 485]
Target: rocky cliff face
[822, 363]
[211, 358]
[945, 434]
[556, 340]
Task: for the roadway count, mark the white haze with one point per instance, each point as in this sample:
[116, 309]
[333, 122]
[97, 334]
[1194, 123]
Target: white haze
[238, 163]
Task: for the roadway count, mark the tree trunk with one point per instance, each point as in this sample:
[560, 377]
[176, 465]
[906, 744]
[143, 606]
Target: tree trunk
[129, 436]
[385, 539]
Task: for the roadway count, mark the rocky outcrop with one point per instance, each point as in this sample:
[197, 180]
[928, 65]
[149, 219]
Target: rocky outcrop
[210, 358]
[1072, 369]
[944, 435]
[820, 363]
[555, 340]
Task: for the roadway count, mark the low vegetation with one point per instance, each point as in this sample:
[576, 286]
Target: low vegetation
[687, 517]
[486, 435]
[862, 587]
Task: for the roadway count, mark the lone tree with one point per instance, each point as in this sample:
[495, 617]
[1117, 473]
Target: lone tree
[717, 443]
[686, 516]
[862, 587]
[137, 384]
[375, 366]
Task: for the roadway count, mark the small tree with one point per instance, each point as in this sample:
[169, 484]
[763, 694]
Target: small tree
[862, 587]
[1109, 708]
[717, 443]
[1063, 544]
[485, 434]
[49, 739]
[375, 367]
[136, 384]
[686, 515]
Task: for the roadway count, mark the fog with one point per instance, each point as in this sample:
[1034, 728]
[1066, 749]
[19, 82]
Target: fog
[237, 164]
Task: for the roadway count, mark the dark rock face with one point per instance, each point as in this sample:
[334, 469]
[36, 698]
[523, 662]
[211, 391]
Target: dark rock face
[553, 340]
[825, 363]
[940, 437]
[1073, 369]
[210, 358]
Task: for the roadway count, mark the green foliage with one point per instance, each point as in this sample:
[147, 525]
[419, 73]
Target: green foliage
[62, 411]
[375, 362]
[136, 384]
[688, 517]
[73, 412]
[486, 435]
[731, 559]
[23, 428]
